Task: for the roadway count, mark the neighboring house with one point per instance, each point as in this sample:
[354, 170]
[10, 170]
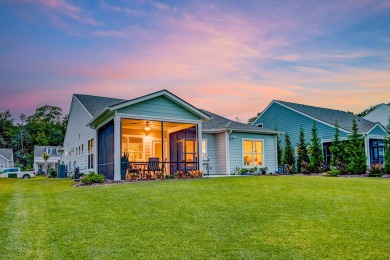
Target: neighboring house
[380, 114]
[6, 158]
[289, 117]
[54, 153]
[101, 131]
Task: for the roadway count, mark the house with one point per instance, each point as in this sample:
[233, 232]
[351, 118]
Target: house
[289, 117]
[380, 114]
[102, 131]
[6, 158]
[54, 153]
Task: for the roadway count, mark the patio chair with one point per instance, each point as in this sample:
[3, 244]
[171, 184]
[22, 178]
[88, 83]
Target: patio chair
[153, 165]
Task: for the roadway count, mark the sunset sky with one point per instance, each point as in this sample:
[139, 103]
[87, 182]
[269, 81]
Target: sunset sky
[229, 57]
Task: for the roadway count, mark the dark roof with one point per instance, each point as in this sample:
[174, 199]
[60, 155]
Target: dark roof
[7, 153]
[38, 150]
[331, 116]
[95, 105]
[222, 123]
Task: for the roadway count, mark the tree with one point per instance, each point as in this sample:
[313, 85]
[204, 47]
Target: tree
[339, 159]
[357, 161]
[387, 149]
[316, 156]
[303, 161]
[279, 148]
[6, 128]
[288, 154]
[252, 119]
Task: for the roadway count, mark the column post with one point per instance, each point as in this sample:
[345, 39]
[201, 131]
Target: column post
[117, 148]
[200, 159]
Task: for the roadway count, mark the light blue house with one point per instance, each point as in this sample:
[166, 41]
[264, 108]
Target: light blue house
[160, 125]
[289, 117]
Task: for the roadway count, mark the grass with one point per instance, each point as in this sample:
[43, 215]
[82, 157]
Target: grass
[288, 217]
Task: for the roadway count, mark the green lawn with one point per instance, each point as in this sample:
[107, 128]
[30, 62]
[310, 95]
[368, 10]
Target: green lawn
[223, 218]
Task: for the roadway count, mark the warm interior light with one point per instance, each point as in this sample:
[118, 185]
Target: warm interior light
[147, 127]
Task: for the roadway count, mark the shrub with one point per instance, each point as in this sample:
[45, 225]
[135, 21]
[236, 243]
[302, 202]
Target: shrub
[334, 172]
[376, 169]
[196, 173]
[92, 177]
[51, 173]
[179, 174]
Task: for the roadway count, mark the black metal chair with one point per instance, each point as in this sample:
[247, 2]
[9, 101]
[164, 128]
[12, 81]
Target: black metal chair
[153, 165]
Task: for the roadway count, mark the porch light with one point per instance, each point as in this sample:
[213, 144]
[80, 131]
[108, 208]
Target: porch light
[147, 127]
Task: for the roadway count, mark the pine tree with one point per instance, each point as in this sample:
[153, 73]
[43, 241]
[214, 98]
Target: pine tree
[288, 154]
[279, 148]
[338, 154]
[316, 156]
[387, 150]
[357, 161]
[303, 160]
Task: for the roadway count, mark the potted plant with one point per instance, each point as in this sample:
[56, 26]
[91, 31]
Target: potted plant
[263, 170]
[243, 171]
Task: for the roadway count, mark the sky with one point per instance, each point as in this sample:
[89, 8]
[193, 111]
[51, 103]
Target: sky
[229, 57]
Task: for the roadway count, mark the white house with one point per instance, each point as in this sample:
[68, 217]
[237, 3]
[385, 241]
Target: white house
[54, 153]
[101, 131]
[6, 158]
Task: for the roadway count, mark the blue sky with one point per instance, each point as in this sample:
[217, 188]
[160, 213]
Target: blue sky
[229, 57]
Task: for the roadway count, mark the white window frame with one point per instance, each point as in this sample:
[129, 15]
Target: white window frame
[242, 152]
[206, 148]
[143, 145]
[49, 150]
[90, 153]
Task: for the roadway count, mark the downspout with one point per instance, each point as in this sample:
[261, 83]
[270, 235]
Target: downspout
[227, 140]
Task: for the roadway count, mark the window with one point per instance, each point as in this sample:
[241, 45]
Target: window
[204, 148]
[49, 150]
[90, 153]
[252, 152]
[82, 149]
[134, 146]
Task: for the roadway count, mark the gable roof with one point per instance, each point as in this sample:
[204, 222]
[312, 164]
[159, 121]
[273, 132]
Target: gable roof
[218, 123]
[95, 105]
[104, 105]
[380, 114]
[39, 149]
[327, 116]
[7, 153]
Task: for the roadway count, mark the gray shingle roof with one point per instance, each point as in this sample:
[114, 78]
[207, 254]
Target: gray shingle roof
[7, 153]
[95, 105]
[331, 116]
[380, 114]
[222, 123]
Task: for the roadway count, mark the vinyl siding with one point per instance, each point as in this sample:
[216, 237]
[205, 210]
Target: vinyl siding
[377, 131]
[220, 154]
[211, 152]
[77, 134]
[286, 120]
[269, 150]
[159, 107]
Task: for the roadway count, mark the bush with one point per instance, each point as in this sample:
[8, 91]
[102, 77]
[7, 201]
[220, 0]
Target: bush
[51, 173]
[376, 169]
[334, 172]
[92, 177]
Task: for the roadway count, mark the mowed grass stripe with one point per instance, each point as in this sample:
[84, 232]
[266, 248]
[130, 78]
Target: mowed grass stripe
[289, 217]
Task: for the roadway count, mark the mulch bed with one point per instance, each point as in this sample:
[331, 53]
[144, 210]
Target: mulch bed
[112, 182]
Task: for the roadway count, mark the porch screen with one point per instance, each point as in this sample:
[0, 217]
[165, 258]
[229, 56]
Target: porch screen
[106, 150]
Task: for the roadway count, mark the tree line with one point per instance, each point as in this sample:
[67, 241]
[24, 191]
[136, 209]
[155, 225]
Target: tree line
[348, 156]
[46, 126]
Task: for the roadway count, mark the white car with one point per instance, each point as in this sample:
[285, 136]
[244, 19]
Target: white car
[15, 173]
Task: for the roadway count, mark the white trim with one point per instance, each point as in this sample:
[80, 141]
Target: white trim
[367, 150]
[153, 118]
[276, 152]
[206, 146]
[104, 122]
[301, 113]
[168, 95]
[377, 124]
[117, 148]
[199, 148]
[331, 140]
[242, 152]
[227, 149]
[4, 157]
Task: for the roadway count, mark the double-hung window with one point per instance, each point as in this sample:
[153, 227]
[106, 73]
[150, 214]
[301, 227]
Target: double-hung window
[90, 153]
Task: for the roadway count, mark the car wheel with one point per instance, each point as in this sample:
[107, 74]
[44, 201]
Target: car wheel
[26, 176]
